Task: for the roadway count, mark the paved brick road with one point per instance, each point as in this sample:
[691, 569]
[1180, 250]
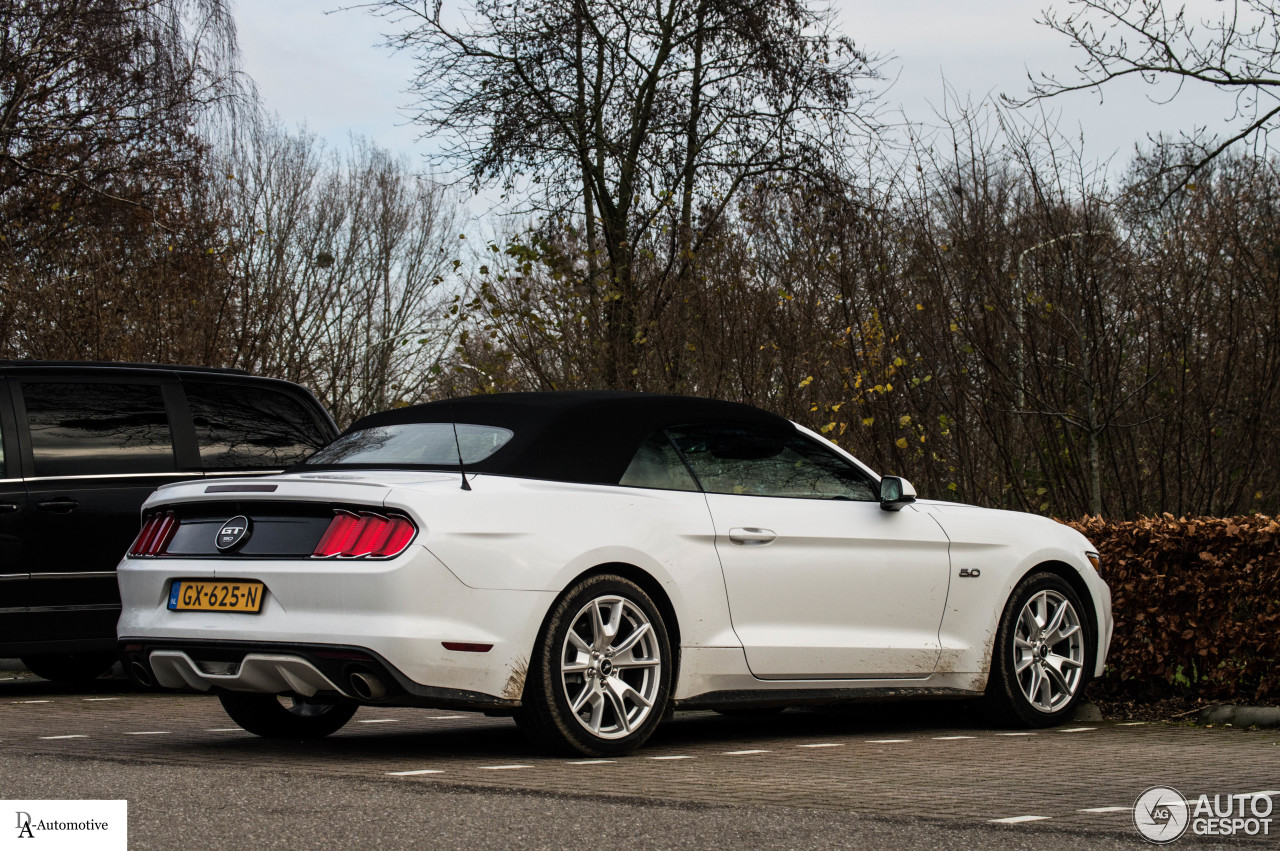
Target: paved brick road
[933, 760]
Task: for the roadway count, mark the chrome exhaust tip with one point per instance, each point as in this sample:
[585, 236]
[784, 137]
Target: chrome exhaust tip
[366, 686]
[141, 673]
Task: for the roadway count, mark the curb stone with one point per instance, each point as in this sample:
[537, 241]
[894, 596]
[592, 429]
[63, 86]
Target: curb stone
[1087, 713]
[1241, 716]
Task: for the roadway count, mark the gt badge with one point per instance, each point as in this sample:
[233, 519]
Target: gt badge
[233, 533]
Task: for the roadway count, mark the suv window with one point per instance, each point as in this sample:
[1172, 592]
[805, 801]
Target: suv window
[737, 460]
[242, 427]
[98, 429]
[658, 465]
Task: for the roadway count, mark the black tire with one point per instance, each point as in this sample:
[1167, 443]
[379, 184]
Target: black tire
[624, 722]
[1018, 671]
[70, 667]
[295, 718]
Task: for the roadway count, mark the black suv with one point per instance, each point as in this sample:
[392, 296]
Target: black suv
[83, 445]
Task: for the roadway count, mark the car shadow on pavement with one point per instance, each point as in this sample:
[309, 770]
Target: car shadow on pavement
[397, 733]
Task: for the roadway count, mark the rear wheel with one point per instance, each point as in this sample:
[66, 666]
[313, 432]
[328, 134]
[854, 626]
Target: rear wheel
[601, 672]
[70, 667]
[282, 717]
[1043, 654]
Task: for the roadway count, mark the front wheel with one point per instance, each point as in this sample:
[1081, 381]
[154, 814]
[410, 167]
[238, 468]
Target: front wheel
[280, 717]
[1043, 654]
[601, 672]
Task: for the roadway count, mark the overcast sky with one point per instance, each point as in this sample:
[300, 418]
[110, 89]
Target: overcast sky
[327, 70]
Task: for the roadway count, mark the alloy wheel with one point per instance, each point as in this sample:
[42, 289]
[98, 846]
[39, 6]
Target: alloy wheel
[1048, 651]
[610, 667]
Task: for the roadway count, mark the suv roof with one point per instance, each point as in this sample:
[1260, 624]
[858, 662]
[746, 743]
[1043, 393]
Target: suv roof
[102, 364]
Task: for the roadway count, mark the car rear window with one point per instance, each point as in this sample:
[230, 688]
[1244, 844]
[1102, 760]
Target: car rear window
[240, 427]
[91, 429]
[427, 444]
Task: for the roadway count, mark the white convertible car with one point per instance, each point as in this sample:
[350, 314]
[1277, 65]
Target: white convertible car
[589, 562]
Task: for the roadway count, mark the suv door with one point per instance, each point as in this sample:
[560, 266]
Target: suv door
[822, 583]
[13, 516]
[95, 449]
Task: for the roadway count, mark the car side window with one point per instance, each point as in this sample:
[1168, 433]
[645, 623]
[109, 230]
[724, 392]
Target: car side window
[88, 429]
[657, 465]
[239, 427]
[737, 460]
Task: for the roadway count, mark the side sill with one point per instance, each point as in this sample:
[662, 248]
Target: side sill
[764, 698]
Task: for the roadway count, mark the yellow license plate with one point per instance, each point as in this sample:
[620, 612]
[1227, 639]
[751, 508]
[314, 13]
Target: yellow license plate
[234, 596]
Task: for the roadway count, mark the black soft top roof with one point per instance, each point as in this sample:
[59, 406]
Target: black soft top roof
[585, 436]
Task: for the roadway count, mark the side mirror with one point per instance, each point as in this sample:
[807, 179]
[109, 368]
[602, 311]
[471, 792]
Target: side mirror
[895, 492]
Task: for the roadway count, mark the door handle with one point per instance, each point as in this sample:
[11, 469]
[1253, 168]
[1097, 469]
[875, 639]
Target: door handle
[58, 506]
[750, 536]
[6, 507]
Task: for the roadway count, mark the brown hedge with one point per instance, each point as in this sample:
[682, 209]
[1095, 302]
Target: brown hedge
[1197, 606]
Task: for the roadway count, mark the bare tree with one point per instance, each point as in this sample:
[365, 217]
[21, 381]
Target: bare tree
[109, 248]
[92, 91]
[1236, 49]
[339, 270]
[643, 118]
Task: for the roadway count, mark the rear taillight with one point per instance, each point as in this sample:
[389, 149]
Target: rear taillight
[157, 532]
[365, 535]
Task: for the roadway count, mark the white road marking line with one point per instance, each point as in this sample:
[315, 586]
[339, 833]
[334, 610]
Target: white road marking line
[34, 701]
[416, 772]
[1078, 730]
[1015, 734]
[151, 733]
[671, 757]
[1131, 724]
[1270, 793]
[887, 741]
[99, 699]
[742, 753]
[591, 761]
[503, 767]
[1018, 819]
[444, 717]
[225, 730]
[823, 745]
[951, 738]
[75, 736]
[1105, 810]
[380, 721]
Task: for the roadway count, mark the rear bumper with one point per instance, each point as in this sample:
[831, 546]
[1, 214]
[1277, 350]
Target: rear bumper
[305, 670]
[399, 612]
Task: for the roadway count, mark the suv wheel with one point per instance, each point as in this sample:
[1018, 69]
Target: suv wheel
[70, 667]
